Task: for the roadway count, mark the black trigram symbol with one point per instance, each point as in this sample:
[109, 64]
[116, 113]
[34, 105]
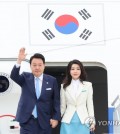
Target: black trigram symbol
[48, 34]
[85, 34]
[85, 15]
[47, 14]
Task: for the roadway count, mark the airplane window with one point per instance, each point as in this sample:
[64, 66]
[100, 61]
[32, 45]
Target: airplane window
[4, 84]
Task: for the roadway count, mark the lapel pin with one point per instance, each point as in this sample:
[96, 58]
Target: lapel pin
[46, 82]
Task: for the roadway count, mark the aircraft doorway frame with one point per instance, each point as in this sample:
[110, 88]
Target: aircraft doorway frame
[98, 76]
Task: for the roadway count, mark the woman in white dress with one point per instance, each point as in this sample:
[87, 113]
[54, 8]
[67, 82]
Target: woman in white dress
[77, 108]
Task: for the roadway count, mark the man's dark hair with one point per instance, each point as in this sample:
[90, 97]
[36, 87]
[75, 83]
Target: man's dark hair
[38, 56]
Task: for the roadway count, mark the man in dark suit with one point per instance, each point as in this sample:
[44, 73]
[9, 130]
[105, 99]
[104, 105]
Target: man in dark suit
[39, 105]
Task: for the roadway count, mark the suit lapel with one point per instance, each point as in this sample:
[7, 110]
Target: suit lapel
[70, 92]
[79, 91]
[32, 85]
[44, 85]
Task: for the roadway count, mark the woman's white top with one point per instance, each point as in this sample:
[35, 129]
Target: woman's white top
[75, 86]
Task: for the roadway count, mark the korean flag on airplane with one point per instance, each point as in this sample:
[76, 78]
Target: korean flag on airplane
[70, 24]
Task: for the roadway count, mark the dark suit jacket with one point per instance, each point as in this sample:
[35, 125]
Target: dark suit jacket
[48, 104]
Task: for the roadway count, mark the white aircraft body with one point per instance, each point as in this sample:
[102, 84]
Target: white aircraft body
[63, 31]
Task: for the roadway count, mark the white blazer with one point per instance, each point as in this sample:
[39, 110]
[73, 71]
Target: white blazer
[82, 103]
